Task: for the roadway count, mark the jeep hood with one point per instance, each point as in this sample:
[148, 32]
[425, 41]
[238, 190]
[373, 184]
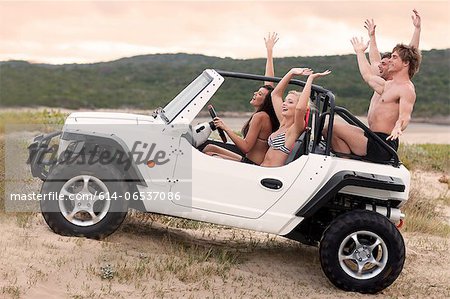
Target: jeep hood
[79, 118]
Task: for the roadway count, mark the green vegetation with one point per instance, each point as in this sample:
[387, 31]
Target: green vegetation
[193, 263]
[47, 117]
[174, 222]
[2, 174]
[149, 81]
[188, 263]
[12, 290]
[425, 214]
[427, 157]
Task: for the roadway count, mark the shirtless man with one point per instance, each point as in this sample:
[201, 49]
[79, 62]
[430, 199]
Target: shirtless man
[379, 62]
[392, 102]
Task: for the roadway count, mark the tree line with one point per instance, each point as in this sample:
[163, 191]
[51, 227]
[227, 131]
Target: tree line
[150, 81]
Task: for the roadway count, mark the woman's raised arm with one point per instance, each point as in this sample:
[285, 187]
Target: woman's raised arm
[300, 109]
[277, 93]
[270, 41]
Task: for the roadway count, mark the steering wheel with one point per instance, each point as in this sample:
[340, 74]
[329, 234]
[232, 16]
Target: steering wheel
[213, 114]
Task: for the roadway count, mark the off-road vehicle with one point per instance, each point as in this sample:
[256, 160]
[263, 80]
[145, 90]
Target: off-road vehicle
[345, 205]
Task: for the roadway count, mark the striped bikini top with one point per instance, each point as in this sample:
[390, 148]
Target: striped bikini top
[278, 143]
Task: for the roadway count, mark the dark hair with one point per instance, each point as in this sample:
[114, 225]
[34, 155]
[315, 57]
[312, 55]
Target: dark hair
[267, 107]
[386, 55]
[409, 54]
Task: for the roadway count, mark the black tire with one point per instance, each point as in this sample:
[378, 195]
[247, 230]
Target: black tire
[367, 227]
[113, 213]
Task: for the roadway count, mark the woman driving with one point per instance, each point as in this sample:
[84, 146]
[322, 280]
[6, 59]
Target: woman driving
[252, 147]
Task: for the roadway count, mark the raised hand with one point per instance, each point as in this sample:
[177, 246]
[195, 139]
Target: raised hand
[318, 75]
[359, 45]
[416, 19]
[271, 40]
[301, 71]
[370, 26]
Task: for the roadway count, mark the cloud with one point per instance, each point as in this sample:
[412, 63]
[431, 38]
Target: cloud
[99, 31]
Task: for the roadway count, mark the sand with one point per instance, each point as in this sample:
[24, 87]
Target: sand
[153, 260]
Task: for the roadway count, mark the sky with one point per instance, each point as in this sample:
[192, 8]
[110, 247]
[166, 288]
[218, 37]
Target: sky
[60, 32]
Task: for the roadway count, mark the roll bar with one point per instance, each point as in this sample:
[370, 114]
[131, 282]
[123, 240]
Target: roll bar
[315, 88]
[325, 102]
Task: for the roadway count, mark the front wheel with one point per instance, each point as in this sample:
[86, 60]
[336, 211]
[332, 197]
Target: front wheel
[84, 200]
[362, 251]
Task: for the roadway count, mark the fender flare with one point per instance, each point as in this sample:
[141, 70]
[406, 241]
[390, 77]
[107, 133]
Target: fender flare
[83, 138]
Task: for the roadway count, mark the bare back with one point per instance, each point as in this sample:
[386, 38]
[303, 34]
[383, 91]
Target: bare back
[258, 151]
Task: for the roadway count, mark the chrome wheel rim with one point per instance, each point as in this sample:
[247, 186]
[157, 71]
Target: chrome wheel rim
[84, 200]
[363, 255]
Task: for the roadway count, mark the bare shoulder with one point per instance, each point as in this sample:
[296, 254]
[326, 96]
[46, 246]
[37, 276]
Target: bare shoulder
[260, 116]
[407, 91]
[405, 88]
[405, 84]
[408, 88]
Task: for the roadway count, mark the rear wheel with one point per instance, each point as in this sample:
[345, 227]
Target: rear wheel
[90, 200]
[362, 251]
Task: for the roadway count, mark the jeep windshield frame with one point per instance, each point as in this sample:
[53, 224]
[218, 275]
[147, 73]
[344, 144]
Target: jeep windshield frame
[325, 106]
[185, 97]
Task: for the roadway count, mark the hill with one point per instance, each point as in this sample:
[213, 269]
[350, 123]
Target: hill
[149, 81]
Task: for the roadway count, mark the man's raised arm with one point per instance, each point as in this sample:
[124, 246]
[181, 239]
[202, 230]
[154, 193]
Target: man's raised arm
[374, 81]
[417, 27]
[374, 53]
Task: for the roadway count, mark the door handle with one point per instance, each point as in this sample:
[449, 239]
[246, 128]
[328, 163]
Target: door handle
[272, 183]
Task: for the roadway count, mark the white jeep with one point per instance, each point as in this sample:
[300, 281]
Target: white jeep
[108, 162]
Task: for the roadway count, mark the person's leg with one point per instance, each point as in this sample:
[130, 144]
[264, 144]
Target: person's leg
[237, 159]
[348, 139]
[229, 146]
[214, 150]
